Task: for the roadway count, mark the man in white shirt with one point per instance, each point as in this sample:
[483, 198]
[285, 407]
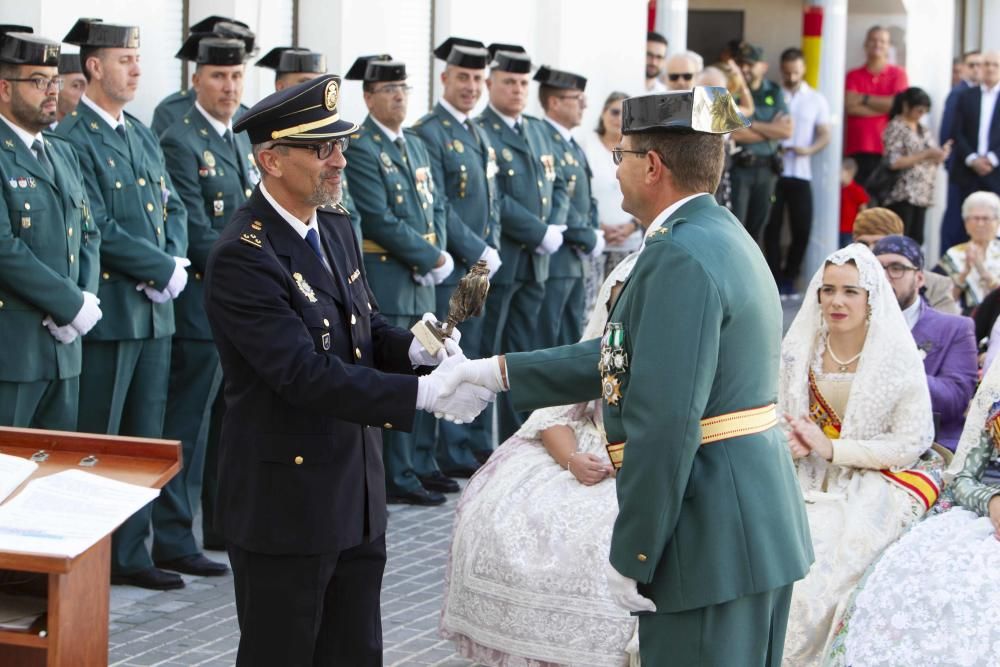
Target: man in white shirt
[810, 134]
[656, 56]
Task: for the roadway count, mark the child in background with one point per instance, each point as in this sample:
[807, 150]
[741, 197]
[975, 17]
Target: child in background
[853, 199]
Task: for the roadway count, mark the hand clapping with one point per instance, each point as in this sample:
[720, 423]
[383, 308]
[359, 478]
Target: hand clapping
[805, 437]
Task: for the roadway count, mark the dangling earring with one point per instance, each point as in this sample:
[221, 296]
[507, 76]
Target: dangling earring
[868, 315]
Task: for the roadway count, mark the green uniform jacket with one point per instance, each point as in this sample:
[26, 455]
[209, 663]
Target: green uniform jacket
[534, 195]
[143, 223]
[174, 106]
[348, 208]
[48, 257]
[698, 525]
[581, 220]
[212, 182]
[464, 168]
[768, 102]
[400, 214]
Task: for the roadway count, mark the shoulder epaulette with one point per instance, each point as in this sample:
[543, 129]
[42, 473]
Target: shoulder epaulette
[252, 234]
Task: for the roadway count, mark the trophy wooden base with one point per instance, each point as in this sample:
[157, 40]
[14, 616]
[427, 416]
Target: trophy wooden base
[428, 336]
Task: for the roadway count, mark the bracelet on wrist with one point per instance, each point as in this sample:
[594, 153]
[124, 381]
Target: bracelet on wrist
[570, 460]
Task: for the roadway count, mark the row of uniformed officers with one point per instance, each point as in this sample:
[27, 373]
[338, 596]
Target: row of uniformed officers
[109, 225]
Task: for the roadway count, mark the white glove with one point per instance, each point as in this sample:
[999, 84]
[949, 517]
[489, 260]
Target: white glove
[419, 356]
[65, 334]
[89, 315]
[178, 281]
[552, 240]
[442, 272]
[154, 295]
[462, 404]
[482, 372]
[599, 245]
[625, 591]
[493, 261]
[426, 280]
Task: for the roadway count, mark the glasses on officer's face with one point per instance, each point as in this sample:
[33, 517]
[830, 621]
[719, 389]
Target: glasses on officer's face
[41, 83]
[687, 76]
[897, 270]
[394, 88]
[323, 149]
[617, 154]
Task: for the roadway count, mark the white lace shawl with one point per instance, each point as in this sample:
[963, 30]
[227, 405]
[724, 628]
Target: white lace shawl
[589, 414]
[987, 394]
[888, 422]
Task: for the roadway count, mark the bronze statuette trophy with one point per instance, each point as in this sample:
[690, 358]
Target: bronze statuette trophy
[466, 301]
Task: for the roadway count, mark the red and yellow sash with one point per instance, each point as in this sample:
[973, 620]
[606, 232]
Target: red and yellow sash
[916, 482]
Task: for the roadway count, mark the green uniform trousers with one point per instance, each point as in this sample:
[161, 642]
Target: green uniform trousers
[50, 404]
[560, 320]
[745, 632]
[398, 447]
[194, 384]
[123, 391]
[753, 192]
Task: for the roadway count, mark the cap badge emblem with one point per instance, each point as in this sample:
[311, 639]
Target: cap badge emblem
[330, 96]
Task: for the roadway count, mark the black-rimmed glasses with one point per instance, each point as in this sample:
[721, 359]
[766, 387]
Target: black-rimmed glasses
[896, 270]
[394, 88]
[617, 154]
[41, 83]
[323, 149]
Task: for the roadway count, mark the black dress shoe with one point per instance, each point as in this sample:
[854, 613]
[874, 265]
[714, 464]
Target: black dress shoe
[195, 564]
[438, 482]
[419, 497]
[463, 472]
[152, 578]
[482, 456]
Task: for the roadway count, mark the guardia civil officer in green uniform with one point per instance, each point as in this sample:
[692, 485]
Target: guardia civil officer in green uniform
[464, 166]
[293, 66]
[48, 245]
[214, 173]
[711, 530]
[562, 97]
[126, 361]
[176, 104]
[403, 222]
[74, 84]
[533, 215]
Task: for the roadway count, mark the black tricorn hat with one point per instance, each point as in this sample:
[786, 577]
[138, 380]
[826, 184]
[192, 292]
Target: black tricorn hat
[236, 30]
[288, 59]
[210, 49]
[707, 109]
[517, 62]
[360, 67]
[443, 50]
[560, 79]
[470, 57]
[69, 63]
[23, 48]
[497, 46]
[14, 27]
[208, 23]
[305, 113]
[97, 33]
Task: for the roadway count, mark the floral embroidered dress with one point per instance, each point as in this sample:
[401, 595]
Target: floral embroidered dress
[879, 419]
[525, 583]
[933, 597]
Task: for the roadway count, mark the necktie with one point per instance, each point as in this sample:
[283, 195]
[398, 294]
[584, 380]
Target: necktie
[401, 145]
[472, 130]
[120, 129]
[230, 141]
[43, 159]
[312, 238]
[517, 127]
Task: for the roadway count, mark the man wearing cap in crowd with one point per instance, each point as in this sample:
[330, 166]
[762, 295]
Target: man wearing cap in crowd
[313, 373]
[74, 84]
[533, 212]
[947, 343]
[403, 222]
[126, 361]
[176, 104]
[673, 399]
[214, 173]
[48, 245]
[561, 96]
[464, 167]
[758, 164]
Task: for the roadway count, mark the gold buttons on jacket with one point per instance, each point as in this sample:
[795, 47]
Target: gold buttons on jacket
[141, 181]
[106, 275]
[69, 232]
[299, 460]
[326, 322]
[387, 425]
[149, 206]
[249, 192]
[354, 320]
[27, 206]
[118, 185]
[642, 558]
[71, 259]
[197, 276]
[357, 352]
[1, 304]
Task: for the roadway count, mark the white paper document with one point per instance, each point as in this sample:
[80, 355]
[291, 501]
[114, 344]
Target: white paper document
[19, 612]
[13, 471]
[66, 513]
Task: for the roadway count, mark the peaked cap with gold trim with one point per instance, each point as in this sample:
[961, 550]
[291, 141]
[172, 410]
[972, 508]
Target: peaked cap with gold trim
[306, 113]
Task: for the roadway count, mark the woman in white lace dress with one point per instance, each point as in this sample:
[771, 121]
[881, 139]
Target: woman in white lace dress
[933, 596]
[859, 418]
[525, 582]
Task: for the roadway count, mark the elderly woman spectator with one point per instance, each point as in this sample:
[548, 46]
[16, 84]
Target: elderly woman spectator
[682, 68]
[974, 267]
[913, 152]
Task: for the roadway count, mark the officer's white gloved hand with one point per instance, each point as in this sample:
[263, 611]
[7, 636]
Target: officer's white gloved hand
[445, 270]
[154, 295]
[462, 404]
[552, 240]
[455, 334]
[482, 372]
[178, 281]
[599, 245]
[493, 261]
[65, 334]
[419, 356]
[425, 280]
[625, 591]
[89, 314]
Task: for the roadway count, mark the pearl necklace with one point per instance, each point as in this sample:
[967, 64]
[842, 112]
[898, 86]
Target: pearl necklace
[841, 364]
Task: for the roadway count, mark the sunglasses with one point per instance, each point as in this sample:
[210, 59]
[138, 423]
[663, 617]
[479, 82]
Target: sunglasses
[687, 76]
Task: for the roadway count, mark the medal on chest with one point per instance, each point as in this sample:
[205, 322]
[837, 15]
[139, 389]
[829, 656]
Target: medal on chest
[613, 362]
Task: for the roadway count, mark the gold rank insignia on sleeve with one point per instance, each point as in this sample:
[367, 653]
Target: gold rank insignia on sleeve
[252, 239]
[256, 225]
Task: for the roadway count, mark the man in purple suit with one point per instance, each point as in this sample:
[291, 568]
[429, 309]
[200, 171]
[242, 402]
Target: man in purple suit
[946, 342]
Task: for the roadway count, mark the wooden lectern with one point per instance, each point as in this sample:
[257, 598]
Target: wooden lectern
[74, 630]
